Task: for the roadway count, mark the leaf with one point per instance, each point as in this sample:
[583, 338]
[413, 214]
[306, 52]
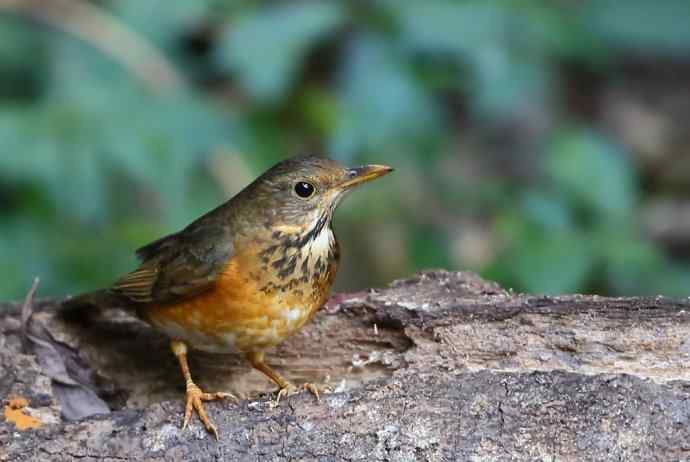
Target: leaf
[446, 26]
[71, 379]
[641, 25]
[428, 248]
[594, 173]
[552, 263]
[383, 109]
[503, 47]
[22, 257]
[162, 22]
[266, 47]
[506, 82]
[463, 29]
[545, 210]
[24, 59]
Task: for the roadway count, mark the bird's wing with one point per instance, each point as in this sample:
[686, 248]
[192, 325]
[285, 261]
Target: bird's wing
[178, 266]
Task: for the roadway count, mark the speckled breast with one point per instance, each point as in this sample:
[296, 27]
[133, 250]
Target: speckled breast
[266, 293]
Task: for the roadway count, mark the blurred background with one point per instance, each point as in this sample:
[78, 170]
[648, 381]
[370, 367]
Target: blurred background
[544, 144]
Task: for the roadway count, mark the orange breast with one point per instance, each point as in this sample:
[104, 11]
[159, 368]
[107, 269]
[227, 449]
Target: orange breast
[247, 310]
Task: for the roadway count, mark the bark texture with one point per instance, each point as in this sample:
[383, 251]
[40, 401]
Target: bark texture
[443, 366]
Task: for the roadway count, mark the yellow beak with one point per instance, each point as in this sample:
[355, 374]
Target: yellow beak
[359, 175]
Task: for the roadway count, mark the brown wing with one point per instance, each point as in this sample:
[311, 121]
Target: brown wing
[178, 266]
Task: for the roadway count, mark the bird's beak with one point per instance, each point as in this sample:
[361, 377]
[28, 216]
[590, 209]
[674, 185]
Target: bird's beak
[359, 175]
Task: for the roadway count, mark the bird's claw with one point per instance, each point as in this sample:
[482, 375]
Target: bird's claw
[289, 389]
[195, 402]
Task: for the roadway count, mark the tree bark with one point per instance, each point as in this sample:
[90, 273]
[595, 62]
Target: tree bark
[443, 366]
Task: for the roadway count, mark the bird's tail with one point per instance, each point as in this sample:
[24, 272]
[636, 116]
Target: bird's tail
[84, 305]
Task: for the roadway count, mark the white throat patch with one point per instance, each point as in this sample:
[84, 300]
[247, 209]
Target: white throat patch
[321, 244]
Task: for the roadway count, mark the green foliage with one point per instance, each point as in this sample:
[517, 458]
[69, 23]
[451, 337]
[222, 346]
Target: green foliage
[282, 36]
[383, 108]
[463, 97]
[642, 26]
[591, 172]
[71, 156]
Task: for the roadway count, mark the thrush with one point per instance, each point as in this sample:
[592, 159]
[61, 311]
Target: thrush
[245, 276]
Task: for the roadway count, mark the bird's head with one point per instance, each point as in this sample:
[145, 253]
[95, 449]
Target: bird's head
[302, 192]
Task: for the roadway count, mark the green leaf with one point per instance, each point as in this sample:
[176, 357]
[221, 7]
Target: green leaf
[552, 263]
[162, 22]
[23, 58]
[594, 173]
[266, 47]
[641, 25]
[630, 262]
[546, 210]
[636, 266]
[428, 248]
[507, 59]
[446, 26]
[383, 108]
[505, 82]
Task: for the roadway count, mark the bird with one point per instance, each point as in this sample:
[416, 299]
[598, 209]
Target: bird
[245, 276]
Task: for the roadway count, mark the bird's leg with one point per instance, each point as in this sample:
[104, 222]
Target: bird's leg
[195, 397]
[285, 387]
[257, 361]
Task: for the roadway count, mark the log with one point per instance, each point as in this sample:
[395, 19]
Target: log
[442, 366]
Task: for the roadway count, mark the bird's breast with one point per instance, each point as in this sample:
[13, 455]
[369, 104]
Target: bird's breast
[267, 292]
[298, 263]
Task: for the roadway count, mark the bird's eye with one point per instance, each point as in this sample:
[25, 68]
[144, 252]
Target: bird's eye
[304, 190]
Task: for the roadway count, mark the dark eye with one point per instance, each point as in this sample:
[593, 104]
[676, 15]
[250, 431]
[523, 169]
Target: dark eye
[304, 190]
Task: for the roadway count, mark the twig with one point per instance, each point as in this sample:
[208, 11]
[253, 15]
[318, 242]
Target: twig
[27, 307]
[104, 32]
[27, 311]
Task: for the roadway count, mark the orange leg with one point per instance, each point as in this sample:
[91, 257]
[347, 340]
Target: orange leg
[285, 387]
[195, 397]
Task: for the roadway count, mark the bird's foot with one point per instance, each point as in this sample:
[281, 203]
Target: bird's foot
[195, 402]
[290, 389]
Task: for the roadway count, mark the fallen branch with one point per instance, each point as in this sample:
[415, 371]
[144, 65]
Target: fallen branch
[444, 366]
